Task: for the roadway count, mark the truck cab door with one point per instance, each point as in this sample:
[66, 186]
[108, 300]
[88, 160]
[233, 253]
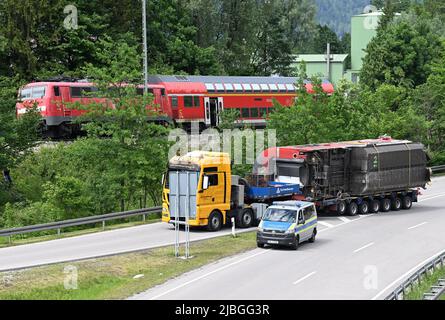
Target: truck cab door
[215, 194]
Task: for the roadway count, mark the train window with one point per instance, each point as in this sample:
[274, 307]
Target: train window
[264, 87]
[245, 113]
[25, 93]
[174, 102]
[38, 92]
[263, 112]
[210, 87]
[83, 92]
[281, 87]
[188, 101]
[273, 87]
[254, 113]
[238, 87]
[229, 87]
[56, 91]
[196, 101]
[247, 87]
[140, 91]
[219, 87]
[256, 87]
[290, 87]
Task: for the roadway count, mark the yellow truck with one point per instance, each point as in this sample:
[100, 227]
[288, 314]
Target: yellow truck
[200, 185]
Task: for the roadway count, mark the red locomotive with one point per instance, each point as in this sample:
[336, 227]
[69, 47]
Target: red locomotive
[181, 99]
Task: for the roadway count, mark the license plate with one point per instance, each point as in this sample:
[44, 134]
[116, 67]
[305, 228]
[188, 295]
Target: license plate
[272, 241]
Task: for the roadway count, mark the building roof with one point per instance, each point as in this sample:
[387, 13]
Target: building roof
[340, 58]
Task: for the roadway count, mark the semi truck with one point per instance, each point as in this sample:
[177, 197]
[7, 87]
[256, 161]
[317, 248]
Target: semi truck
[351, 177]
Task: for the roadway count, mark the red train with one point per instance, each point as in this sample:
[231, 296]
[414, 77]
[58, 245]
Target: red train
[180, 99]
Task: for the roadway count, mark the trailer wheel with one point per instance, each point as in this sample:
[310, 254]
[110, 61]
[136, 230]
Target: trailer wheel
[364, 207]
[385, 205]
[215, 221]
[341, 208]
[407, 202]
[396, 204]
[375, 206]
[353, 208]
[246, 218]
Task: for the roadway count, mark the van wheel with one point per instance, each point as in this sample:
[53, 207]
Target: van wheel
[364, 207]
[246, 218]
[314, 234]
[407, 202]
[375, 206]
[260, 245]
[294, 245]
[385, 205]
[396, 204]
[352, 208]
[215, 221]
[341, 208]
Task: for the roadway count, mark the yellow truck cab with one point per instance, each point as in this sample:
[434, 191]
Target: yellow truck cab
[288, 223]
[200, 185]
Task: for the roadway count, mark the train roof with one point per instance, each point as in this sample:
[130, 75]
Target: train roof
[228, 79]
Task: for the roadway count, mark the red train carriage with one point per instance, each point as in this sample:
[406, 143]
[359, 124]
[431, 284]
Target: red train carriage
[179, 99]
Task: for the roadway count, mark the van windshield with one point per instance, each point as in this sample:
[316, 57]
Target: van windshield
[280, 215]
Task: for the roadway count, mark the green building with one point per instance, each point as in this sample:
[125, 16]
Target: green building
[363, 29]
[318, 65]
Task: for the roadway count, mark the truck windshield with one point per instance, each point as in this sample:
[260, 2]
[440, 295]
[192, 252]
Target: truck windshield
[280, 215]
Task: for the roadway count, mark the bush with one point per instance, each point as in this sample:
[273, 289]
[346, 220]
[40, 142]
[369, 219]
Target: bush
[23, 214]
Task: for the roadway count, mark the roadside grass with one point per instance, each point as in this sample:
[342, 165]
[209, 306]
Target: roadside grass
[68, 233]
[424, 287]
[112, 277]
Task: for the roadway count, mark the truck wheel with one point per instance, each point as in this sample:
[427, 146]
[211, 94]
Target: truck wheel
[246, 219]
[385, 205]
[396, 204]
[294, 245]
[407, 202]
[352, 208]
[215, 221]
[341, 208]
[375, 206]
[363, 208]
[314, 234]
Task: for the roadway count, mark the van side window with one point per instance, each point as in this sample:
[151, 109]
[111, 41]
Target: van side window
[308, 213]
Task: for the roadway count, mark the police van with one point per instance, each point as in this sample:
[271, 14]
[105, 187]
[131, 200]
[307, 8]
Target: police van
[288, 223]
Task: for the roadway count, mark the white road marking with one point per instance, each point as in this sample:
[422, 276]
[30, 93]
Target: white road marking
[305, 277]
[417, 225]
[344, 219]
[210, 273]
[364, 247]
[406, 274]
[325, 224]
[432, 197]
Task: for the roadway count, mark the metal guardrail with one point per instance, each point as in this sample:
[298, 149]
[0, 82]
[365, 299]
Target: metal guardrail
[437, 169]
[78, 222]
[437, 291]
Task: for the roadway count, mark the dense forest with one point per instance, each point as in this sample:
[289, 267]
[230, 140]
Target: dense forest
[400, 94]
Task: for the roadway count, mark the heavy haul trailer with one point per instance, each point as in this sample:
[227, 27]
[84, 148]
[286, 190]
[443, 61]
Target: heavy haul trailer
[353, 177]
[347, 177]
[200, 185]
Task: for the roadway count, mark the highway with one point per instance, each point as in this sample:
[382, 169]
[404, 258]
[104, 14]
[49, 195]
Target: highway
[97, 245]
[362, 258]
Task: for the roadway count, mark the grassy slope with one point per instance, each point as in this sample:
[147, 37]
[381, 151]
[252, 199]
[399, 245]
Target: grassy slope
[425, 285]
[112, 277]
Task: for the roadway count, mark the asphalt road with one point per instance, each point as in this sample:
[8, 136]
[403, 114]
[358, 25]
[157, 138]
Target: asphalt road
[97, 245]
[362, 258]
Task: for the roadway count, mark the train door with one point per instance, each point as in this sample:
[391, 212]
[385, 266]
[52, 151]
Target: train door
[213, 110]
[66, 99]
